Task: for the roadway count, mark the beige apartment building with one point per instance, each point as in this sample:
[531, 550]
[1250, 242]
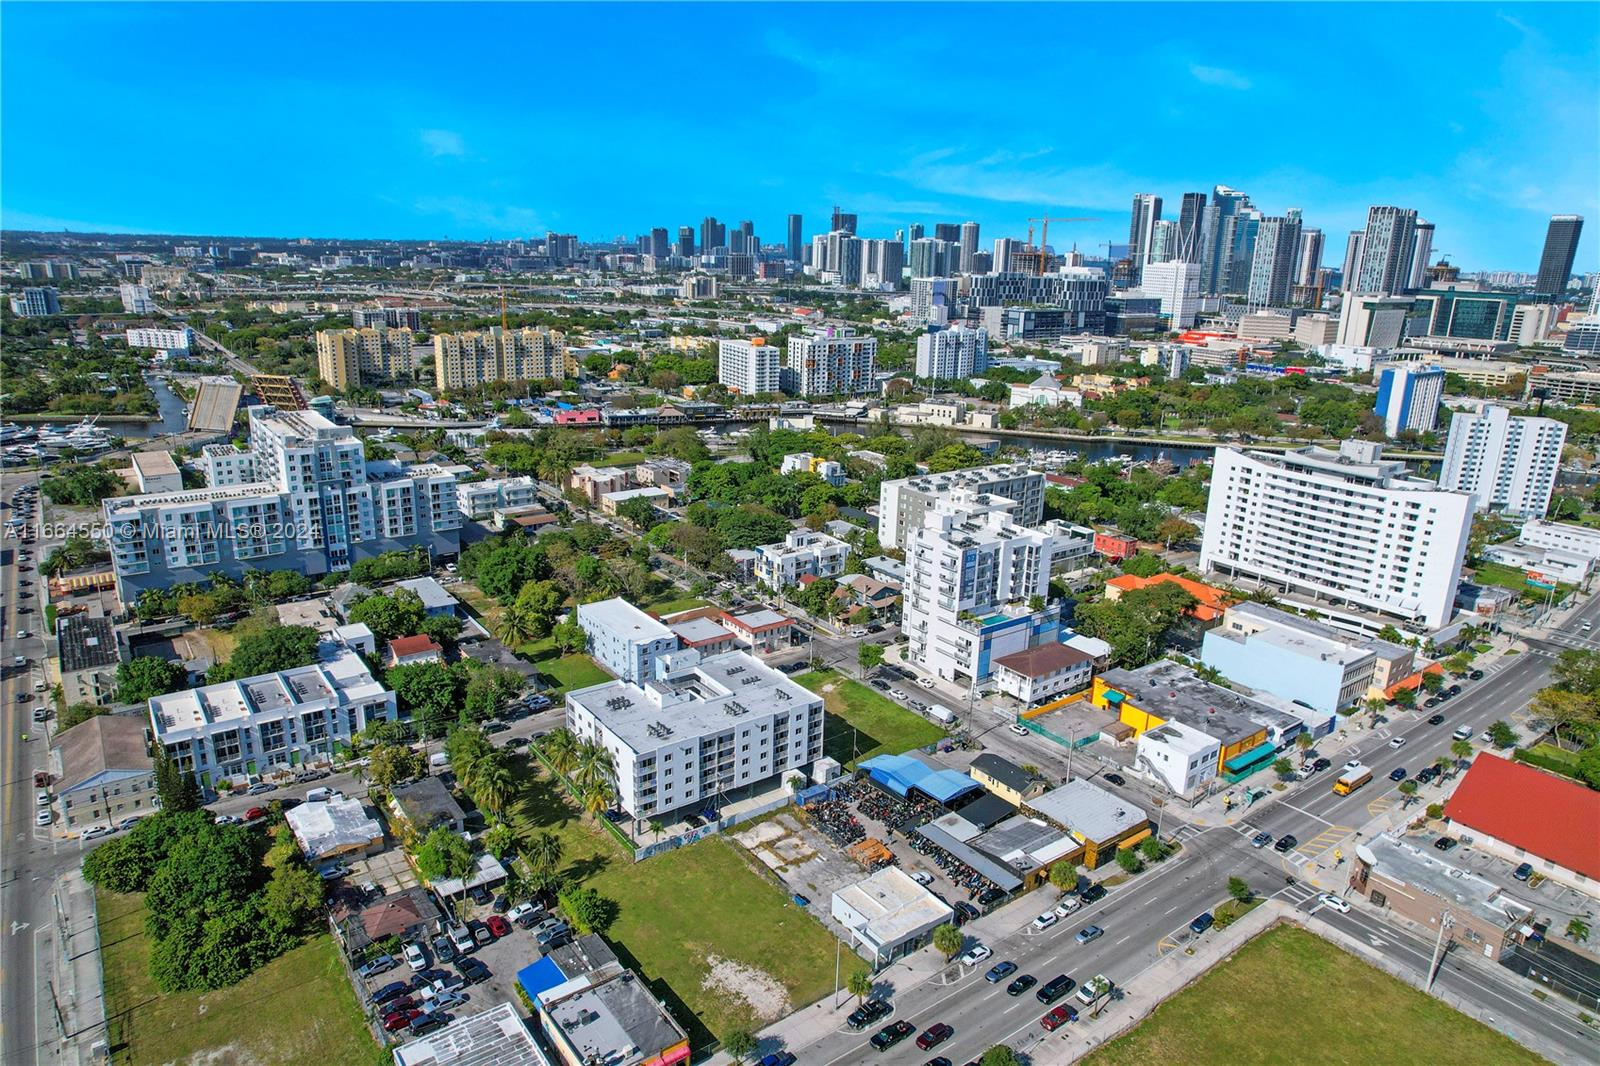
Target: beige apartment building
[352, 357]
[462, 360]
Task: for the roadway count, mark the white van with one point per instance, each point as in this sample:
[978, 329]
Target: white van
[1463, 733]
[323, 795]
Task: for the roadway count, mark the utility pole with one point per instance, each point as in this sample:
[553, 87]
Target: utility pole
[838, 947]
[1445, 922]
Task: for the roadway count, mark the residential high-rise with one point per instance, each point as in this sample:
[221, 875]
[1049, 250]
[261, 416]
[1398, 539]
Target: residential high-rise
[952, 352]
[1005, 249]
[1352, 260]
[1163, 241]
[1146, 213]
[830, 361]
[713, 234]
[462, 360]
[1560, 248]
[1079, 291]
[792, 245]
[748, 367]
[36, 302]
[742, 241]
[659, 245]
[685, 245]
[914, 232]
[844, 256]
[933, 258]
[1388, 246]
[932, 300]
[1310, 257]
[882, 264]
[1408, 398]
[316, 506]
[1343, 528]
[969, 245]
[903, 502]
[136, 299]
[947, 231]
[1273, 262]
[1422, 251]
[349, 358]
[1216, 237]
[842, 220]
[1505, 462]
[1191, 220]
[977, 584]
[1177, 283]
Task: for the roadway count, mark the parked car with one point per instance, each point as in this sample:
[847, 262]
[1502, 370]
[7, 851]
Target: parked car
[1321, 765]
[260, 788]
[400, 1019]
[480, 895]
[423, 1024]
[95, 832]
[965, 912]
[1201, 923]
[436, 1000]
[480, 933]
[1089, 933]
[1021, 984]
[778, 1058]
[333, 871]
[975, 954]
[1095, 891]
[416, 958]
[555, 938]
[922, 877]
[498, 925]
[43, 816]
[1523, 872]
[443, 950]
[1046, 920]
[990, 896]
[1067, 905]
[934, 1035]
[1475, 675]
[255, 812]
[1332, 902]
[892, 1034]
[925, 682]
[1116, 779]
[461, 937]
[867, 1013]
[1261, 840]
[1285, 843]
[391, 991]
[1054, 989]
[1445, 843]
[1427, 774]
[523, 911]
[226, 819]
[472, 971]
[1058, 1017]
[1000, 971]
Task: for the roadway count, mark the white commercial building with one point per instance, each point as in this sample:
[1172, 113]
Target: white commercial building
[698, 730]
[902, 503]
[1551, 564]
[1346, 526]
[247, 727]
[953, 352]
[170, 340]
[1579, 540]
[136, 300]
[1291, 657]
[156, 472]
[1373, 321]
[1180, 757]
[480, 499]
[1045, 390]
[888, 914]
[749, 366]
[802, 552]
[624, 639]
[1176, 283]
[830, 361]
[977, 584]
[1408, 397]
[1505, 462]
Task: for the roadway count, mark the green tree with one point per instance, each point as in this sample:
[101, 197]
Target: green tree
[499, 840]
[1282, 767]
[869, 656]
[638, 512]
[586, 909]
[740, 1044]
[400, 614]
[176, 789]
[859, 985]
[444, 855]
[1129, 860]
[544, 852]
[1239, 889]
[1064, 876]
[1563, 709]
[560, 746]
[1409, 790]
[1143, 564]
[1304, 742]
[1577, 930]
[569, 637]
[542, 600]
[1152, 849]
[947, 941]
[429, 692]
[1435, 811]
[1000, 1055]
[493, 783]
[467, 747]
[77, 714]
[293, 897]
[1502, 735]
[390, 764]
[272, 649]
[144, 677]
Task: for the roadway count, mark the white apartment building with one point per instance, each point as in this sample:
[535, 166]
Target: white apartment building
[830, 361]
[480, 499]
[1182, 758]
[802, 552]
[167, 340]
[932, 300]
[1579, 540]
[316, 505]
[977, 584]
[136, 299]
[1505, 462]
[902, 503]
[1345, 526]
[749, 366]
[624, 639]
[806, 463]
[704, 727]
[1176, 283]
[247, 727]
[953, 352]
[1408, 397]
[1043, 673]
[225, 465]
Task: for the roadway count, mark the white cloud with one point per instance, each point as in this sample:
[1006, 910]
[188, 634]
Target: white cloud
[442, 142]
[1221, 77]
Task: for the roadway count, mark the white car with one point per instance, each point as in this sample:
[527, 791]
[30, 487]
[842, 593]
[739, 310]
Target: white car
[859, 632]
[1332, 902]
[415, 958]
[41, 798]
[96, 831]
[1397, 742]
[1020, 731]
[1046, 920]
[922, 877]
[520, 911]
[434, 1000]
[899, 694]
[43, 817]
[976, 954]
[925, 682]
[1353, 764]
[1067, 905]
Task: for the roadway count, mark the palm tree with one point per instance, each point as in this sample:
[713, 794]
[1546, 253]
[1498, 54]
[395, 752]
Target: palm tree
[515, 626]
[594, 766]
[1462, 750]
[859, 985]
[598, 796]
[544, 852]
[1578, 929]
[493, 782]
[561, 748]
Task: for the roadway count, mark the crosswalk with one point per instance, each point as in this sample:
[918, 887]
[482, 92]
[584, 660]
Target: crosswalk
[1297, 894]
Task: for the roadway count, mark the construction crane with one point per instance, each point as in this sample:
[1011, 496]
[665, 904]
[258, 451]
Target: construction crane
[1042, 255]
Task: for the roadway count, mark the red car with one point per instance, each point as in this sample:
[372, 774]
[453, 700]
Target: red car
[255, 812]
[935, 1035]
[497, 925]
[399, 1019]
[1058, 1017]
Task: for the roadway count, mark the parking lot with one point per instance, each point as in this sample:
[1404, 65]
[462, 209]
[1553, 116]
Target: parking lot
[1546, 896]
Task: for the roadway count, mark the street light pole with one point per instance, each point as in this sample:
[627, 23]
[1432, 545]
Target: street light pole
[1445, 922]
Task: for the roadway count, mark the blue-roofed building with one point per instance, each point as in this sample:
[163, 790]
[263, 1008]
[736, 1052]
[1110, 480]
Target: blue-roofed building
[902, 775]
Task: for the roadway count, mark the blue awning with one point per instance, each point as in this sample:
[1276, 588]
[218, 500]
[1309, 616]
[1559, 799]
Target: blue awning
[540, 977]
[901, 773]
[1261, 751]
[1113, 696]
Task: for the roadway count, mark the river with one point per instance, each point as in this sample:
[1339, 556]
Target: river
[174, 415]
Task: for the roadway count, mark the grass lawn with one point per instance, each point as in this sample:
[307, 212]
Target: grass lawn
[572, 671]
[1511, 577]
[299, 1008]
[861, 723]
[673, 603]
[221, 643]
[1290, 995]
[625, 458]
[679, 911]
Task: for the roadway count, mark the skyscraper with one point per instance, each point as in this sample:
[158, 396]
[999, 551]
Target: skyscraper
[1507, 462]
[969, 245]
[1216, 236]
[713, 234]
[1004, 249]
[1190, 218]
[1387, 248]
[1408, 398]
[947, 231]
[792, 248]
[1310, 257]
[685, 246]
[1146, 212]
[1163, 243]
[1560, 248]
[843, 221]
[658, 243]
[1352, 260]
[914, 232]
[1421, 252]
[1273, 262]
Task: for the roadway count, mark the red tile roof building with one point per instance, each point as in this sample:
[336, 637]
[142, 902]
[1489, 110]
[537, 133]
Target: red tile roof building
[1210, 601]
[1523, 814]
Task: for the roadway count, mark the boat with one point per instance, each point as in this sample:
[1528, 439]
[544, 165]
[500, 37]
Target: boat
[11, 433]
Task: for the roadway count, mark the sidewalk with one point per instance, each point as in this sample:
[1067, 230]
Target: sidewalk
[70, 1020]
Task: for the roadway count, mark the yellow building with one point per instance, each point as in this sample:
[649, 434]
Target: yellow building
[353, 357]
[462, 360]
[1102, 822]
[1167, 691]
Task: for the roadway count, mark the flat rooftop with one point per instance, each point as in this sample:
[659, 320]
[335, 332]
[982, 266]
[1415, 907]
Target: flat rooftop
[434, 596]
[699, 630]
[614, 1020]
[341, 677]
[1171, 690]
[1089, 810]
[1428, 870]
[709, 698]
[1272, 616]
[155, 464]
[624, 619]
[495, 1037]
[893, 905]
[762, 619]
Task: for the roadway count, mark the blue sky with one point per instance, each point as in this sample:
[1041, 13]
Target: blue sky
[414, 120]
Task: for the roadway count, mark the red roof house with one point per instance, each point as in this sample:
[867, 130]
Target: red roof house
[1517, 811]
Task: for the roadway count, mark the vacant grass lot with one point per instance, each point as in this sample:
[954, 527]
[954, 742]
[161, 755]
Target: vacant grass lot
[572, 671]
[299, 1008]
[679, 911]
[672, 601]
[861, 723]
[1290, 996]
[1510, 577]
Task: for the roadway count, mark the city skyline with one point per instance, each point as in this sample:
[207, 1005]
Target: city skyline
[514, 152]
